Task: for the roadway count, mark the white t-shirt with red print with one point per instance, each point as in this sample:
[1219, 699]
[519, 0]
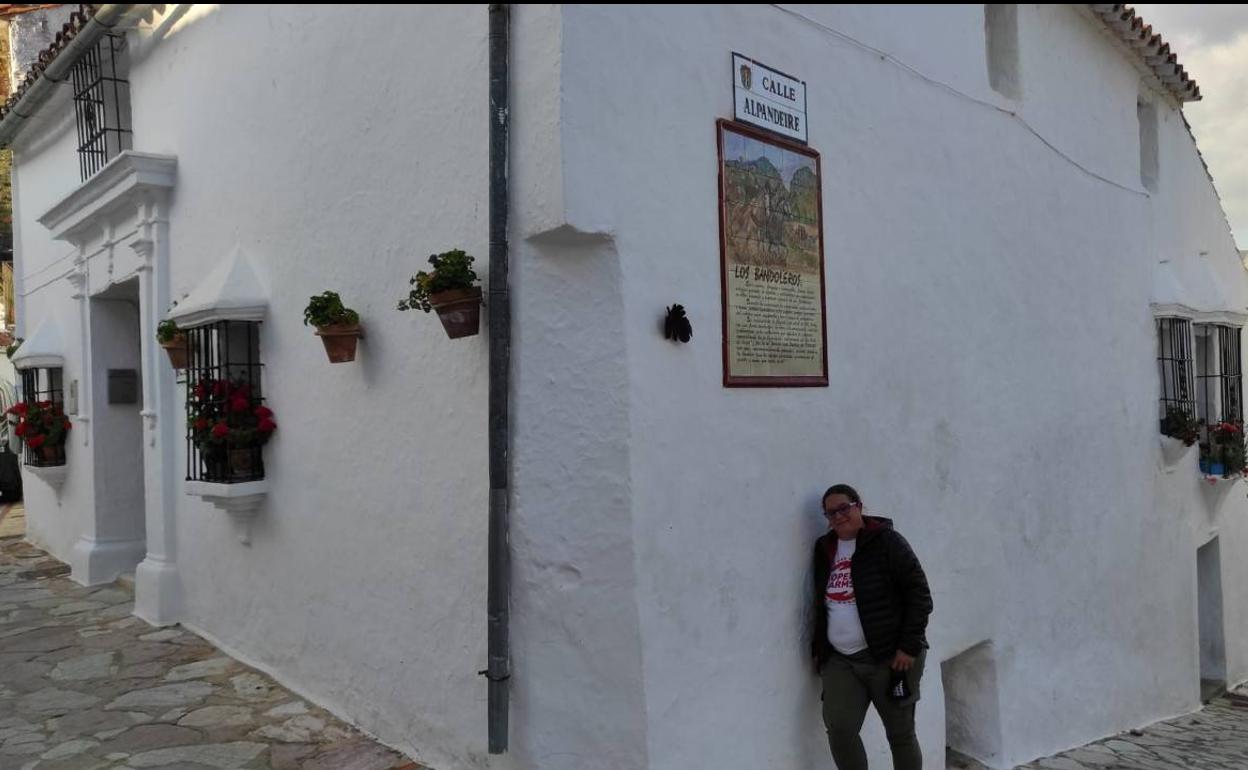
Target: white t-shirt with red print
[844, 626]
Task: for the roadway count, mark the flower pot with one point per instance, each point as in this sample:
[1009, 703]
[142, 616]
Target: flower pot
[52, 455]
[242, 464]
[1212, 468]
[340, 341]
[179, 351]
[230, 466]
[460, 311]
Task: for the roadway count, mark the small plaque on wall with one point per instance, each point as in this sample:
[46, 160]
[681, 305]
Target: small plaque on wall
[123, 386]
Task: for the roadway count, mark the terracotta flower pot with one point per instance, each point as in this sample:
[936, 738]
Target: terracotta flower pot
[242, 463]
[340, 341]
[460, 311]
[179, 351]
[52, 455]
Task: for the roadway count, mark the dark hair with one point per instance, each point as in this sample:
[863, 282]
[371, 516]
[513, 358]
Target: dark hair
[842, 489]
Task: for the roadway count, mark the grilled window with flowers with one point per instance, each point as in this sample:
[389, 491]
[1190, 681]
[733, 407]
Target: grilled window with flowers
[226, 419]
[1220, 399]
[40, 416]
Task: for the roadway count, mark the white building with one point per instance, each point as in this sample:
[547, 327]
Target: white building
[1010, 198]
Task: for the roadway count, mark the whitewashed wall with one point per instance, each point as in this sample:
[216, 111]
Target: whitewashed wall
[340, 147]
[45, 170]
[991, 355]
[993, 379]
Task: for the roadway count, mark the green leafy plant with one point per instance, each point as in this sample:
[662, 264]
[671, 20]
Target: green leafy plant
[166, 331]
[11, 349]
[451, 270]
[1181, 424]
[327, 310]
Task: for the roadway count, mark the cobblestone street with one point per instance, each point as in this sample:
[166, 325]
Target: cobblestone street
[86, 686]
[1215, 738]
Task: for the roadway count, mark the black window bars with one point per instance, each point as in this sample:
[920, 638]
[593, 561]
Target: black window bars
[225, 410]
[1174, 364]
[1220, 376]
[101, 104]
[40, 385]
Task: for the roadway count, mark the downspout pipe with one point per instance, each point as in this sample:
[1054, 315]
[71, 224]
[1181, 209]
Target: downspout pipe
[498, 673]
[106, 19]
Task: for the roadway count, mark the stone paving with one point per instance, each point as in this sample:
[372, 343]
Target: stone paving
[84, 685]
[1214, 738]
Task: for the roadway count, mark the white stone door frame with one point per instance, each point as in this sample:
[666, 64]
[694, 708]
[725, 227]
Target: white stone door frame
[126, 205]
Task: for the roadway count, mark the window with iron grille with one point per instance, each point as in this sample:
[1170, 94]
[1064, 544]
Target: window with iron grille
[101, 104]
[225, 412]
[1219, 379]
[1174, 364]
[43, 384]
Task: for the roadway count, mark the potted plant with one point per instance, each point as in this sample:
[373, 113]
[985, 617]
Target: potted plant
[336, 325]
[1179, 430]
[44, 428]
[228, 426]
[451, 290]
[1224, 455]
[175, 343]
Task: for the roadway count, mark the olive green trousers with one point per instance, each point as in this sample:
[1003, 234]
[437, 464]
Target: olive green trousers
[852, 682]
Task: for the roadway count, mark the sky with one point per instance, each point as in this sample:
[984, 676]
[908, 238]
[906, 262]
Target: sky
[1212, 45]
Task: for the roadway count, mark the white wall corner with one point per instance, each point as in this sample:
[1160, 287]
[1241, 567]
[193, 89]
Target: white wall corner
[542, 203]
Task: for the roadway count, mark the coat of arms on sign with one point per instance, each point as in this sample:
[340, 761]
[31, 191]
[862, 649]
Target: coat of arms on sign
[746, 78]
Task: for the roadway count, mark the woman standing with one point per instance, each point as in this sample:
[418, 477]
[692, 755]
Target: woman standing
[872, 603]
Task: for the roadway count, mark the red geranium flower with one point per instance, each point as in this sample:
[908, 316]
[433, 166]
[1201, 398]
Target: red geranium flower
[34, 442]
[263, 412]
[201, 424]
[220, 430]
[266, 426]
[239, 404]
[20, 429]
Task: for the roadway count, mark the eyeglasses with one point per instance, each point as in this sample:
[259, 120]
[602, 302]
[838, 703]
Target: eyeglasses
[840, 509]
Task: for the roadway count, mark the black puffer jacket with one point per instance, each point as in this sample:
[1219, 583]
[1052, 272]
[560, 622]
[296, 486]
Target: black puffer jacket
[889, 587]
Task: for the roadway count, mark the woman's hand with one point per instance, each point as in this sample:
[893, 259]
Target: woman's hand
[901, 662]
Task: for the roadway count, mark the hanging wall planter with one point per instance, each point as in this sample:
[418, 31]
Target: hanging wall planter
[175, 343]
[1174, 450]
[451, 290]
[459, 311]
[336, 325]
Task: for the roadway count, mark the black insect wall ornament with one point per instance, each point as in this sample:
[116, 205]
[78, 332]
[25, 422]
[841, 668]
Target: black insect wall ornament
[676, 326]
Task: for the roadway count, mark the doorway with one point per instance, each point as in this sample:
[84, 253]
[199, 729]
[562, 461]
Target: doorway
[1209, 613]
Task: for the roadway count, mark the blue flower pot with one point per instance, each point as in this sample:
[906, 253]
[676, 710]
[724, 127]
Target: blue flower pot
[1212, 468]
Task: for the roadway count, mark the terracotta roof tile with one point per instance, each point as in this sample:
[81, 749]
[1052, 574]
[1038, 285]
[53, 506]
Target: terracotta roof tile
[77, 20]
[1154, 52]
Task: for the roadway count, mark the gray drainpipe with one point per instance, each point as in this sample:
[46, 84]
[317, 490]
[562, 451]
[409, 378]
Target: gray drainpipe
[105, 19]
[499, 653]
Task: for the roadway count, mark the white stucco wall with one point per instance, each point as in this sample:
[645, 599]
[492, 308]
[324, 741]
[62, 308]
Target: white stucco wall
[340, 147]
[991, 349]
[45, 169]
[992, 363]
[325, 146]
